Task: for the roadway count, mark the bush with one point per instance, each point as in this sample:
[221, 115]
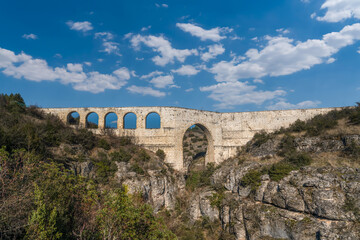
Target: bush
[104, 144]
[120, 156]
[287, 145]
[352, 150]
[197, 179]
[260, 138]
[252, 179]
[298, 160]
[355, 116]
[280, 170]
[136, 168]
[104, 168]
[161, 154]
[123, 141]
[142, 156]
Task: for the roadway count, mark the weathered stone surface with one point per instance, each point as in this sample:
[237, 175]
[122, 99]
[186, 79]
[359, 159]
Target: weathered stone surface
[200, 206]
[85, 169]
[225, 132]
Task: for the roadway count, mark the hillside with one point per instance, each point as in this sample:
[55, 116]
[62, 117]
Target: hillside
[302, 182]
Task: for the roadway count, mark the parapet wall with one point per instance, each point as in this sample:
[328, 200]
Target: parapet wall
[225, 131]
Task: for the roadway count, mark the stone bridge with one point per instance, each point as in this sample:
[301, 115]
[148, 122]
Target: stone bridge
[225, 132]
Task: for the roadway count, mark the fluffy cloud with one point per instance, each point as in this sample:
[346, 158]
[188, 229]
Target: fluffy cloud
[152, 74]
[108, 45]
[338, 10]
[80, 26]
[232, 94]
[212, 34]
[214, 50]
[186, 70]
[281, 56]
[30, 36]
[146, 91]
[26, 67]
[164, 48]
[163, 81]
[283, 105]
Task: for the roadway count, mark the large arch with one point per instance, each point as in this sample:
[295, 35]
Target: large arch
[153, 121]
[209, 155]
[92, 120]
[111, 120]
[129, 121]
[73, 118]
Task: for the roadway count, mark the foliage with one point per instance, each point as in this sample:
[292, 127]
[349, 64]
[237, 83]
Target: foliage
[102, 143]
[142, 156]
[104, 167]
[354, 118]
[252, 179]
[287, 145]
[216, 199]
[161, 154]
[260, 138]
[120, 218]
[120, 156]
[352, 150]
[123, 141]
[280, 170]
[137, 169]
[201, 178]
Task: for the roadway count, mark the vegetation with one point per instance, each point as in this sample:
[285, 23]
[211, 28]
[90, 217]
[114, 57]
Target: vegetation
[41, 199]
[201, 178]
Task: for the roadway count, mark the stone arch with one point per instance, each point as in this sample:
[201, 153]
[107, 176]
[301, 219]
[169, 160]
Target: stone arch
[73, 118]
[93, 122]
[111, 120]
[210, 155]
[130, 121]
[153, 120]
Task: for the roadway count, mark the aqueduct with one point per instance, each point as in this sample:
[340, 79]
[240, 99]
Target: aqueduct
[225, 132]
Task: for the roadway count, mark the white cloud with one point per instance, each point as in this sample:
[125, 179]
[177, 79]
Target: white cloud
[28, 68]
[214, 50]
[152, 74]
[104, 35]
[189, 90]
[258, 81]
[146, 91]
[108, 46]
[88, 64]
[186, 70]
[283, 31]
[330, 60]
[58, 55]
[139, 59]
[80, 26]
[164, 48]
[283, 105]
[338, 10]
[213, 34]
[75, 67]
[162, 81]
[145, 28]
[161, 5]
[232, 94]
[30, 36]
[281, 56]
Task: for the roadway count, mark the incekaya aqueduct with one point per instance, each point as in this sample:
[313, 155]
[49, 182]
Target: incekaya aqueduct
[225, 132]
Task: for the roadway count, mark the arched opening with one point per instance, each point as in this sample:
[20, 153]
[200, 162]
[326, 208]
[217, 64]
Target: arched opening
[198, 148]
[130, 121]
[111, 120]
[92, 120]
[153, 121]
[73, 118]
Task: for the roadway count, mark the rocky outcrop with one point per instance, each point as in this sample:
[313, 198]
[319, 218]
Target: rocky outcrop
[158, 189]
[305, 144]
[312, 203]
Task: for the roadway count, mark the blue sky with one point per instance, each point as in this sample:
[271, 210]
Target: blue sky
[229, 55]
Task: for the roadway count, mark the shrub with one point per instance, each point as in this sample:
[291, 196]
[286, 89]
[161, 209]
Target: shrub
[143, 156]
[252, 179]
[352, 150]
[298, 160]
[260, 138]
[287, 145]
[354, 118]
[104, 144]
[120, 156]
[279, 170]
[136, 168]
[123, 141]
[104, 168]
[161, 154]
